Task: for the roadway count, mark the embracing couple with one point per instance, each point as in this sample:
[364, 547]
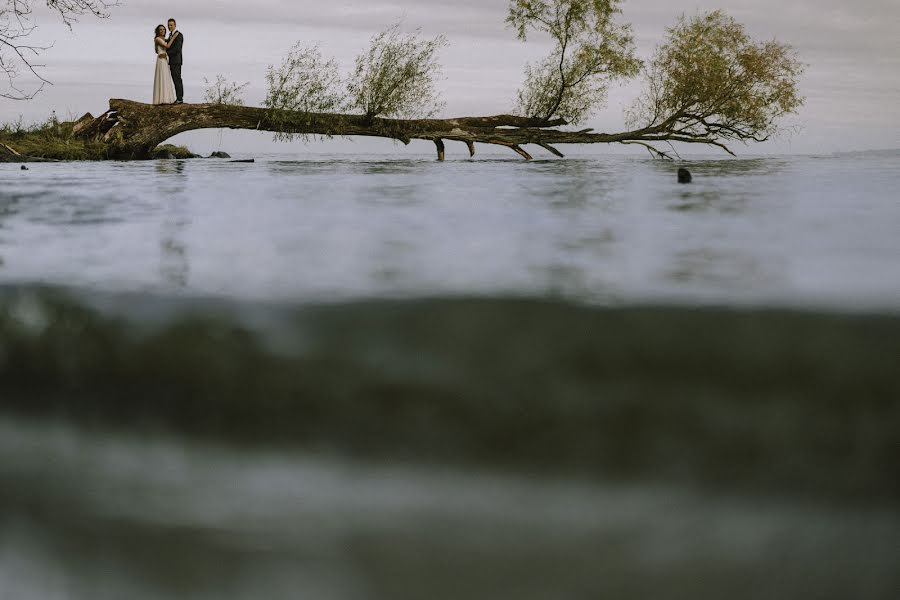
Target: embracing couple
[167, 86]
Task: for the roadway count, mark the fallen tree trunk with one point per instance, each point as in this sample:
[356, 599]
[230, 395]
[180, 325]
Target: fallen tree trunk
[133, 129]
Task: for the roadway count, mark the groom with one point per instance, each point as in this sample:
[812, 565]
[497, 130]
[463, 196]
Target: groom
[175, 60]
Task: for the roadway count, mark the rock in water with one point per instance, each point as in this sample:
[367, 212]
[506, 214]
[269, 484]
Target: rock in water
[684, 176]
[24, 168]
[220, 154]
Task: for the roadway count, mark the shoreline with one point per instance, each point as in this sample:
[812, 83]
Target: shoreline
[56, 141]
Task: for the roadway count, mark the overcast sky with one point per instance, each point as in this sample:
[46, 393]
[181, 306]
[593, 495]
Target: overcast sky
[852, 84]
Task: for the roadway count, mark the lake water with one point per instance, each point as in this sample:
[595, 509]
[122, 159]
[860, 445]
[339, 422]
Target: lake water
[358, 377]
[803, 231]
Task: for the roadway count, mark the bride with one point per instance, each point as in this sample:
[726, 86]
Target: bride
[163, 88]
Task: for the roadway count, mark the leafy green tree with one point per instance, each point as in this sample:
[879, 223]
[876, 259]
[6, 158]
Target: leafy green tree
[710, 83]
[591, 50]
[397, 76]
[306, 82]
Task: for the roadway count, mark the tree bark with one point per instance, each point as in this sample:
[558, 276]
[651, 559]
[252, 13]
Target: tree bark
[133, 130]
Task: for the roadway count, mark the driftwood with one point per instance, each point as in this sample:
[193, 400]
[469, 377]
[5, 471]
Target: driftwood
[8, 154]
[133, 129]
[81, 125]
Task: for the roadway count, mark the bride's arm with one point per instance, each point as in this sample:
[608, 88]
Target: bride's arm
[168, 44]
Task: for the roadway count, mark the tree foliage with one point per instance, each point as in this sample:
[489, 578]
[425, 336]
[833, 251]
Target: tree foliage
[306, 82]
[222, 91]
[397, 76]
[17, 55]
[590, 51]
[710, 83]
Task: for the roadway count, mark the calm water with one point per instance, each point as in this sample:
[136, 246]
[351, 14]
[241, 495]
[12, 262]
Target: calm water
[802, 231]
[352, 378]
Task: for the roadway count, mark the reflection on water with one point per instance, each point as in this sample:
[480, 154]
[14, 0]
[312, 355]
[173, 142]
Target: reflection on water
[705, 200]
[724, 167]
[706, 266]
[174, 205]
[169, 167]
[174, 265]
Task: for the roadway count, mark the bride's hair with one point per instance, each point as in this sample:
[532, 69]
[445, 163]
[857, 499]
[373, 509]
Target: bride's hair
[156, 31]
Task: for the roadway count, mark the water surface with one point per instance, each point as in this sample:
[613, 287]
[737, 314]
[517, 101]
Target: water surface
[801, 231]
[346, 377]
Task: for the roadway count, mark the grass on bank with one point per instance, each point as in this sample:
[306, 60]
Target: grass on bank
[54, 140]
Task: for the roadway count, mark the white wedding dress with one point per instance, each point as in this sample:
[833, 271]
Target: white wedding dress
[163, 88]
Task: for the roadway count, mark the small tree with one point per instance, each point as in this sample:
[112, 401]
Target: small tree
[590, 51]
[221, 91]
[304, 83]
[396, 77]
[710, 83]
[16, 25]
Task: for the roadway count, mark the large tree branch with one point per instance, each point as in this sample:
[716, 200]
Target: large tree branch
[134, 130]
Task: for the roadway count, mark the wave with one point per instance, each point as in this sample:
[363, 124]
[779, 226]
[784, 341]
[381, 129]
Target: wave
[768, 399]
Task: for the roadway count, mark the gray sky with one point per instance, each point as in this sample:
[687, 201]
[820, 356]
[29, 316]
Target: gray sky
[852, 83]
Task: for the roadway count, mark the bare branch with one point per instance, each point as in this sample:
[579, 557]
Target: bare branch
[16, 25]
[551, 149]
[654, 152]
[521, 152]
[439, 143]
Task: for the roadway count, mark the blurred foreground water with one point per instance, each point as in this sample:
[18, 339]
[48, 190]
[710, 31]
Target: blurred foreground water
[444, 448]
[94, 515]
[350, 379]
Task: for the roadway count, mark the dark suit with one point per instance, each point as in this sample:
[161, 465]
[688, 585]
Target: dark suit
[175, 62]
